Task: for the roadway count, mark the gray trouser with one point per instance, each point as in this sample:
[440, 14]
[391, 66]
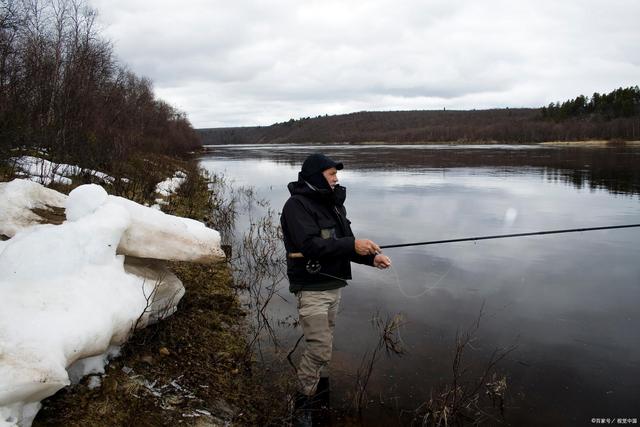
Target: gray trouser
[317, 312]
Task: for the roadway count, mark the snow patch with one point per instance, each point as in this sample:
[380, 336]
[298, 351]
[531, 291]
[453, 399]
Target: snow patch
[94, 382]
[69, 300]
[92, 365]
[18, 199]
[151, 233]
[171, 185]
[46, 172]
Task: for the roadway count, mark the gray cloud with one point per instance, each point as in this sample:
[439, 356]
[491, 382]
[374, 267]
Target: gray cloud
[255, 62]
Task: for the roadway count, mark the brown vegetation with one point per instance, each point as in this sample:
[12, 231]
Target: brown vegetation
[62, 91]
[388, 339]
[474, 395]
[518, 125]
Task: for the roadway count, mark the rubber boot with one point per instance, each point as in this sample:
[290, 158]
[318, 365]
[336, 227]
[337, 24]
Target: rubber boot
[322, 400]
[323, 393]
[303, 411]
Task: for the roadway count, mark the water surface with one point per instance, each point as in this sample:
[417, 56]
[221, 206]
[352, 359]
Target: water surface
[568, 302]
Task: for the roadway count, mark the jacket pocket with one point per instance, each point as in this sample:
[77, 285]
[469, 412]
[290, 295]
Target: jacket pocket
[327, 229]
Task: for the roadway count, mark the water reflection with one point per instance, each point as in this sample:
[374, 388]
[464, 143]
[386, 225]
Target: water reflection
[568, 301]
[614, 168]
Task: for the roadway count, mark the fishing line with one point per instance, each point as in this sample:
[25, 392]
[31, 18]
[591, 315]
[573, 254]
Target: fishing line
[397, 279]
[314, 266]
[425, 290]
[467, 239]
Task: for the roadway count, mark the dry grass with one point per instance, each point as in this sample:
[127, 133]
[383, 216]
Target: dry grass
[388, 329]
[463, 400]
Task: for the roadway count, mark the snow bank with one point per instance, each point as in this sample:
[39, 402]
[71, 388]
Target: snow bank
[19, 198]
[170, 185]
[150, 234]
[45, 172]
[68, 300]
[65, 296]
[154, 234]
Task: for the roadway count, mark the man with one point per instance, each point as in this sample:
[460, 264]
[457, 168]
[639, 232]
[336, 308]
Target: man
[320, 247]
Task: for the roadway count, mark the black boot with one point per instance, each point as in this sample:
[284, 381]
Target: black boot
[323, 393]
[303, 411]
[322, 400]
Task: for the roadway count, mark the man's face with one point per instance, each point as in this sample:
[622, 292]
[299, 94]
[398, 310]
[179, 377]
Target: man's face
[331, 175]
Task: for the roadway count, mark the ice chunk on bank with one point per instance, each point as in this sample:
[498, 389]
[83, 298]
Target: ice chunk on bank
[154, 234]
[20, 200]
[171, 185]
[65, 296]
[68, 300]
[86, 199]
[150, 234]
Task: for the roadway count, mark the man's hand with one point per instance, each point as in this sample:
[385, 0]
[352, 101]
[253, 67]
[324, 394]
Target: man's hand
[382, 261]
[366, 247]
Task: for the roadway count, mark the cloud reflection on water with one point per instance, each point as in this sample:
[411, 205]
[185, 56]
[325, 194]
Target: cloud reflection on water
[569, 300]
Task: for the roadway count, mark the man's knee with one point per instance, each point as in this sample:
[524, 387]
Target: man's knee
[318, 336]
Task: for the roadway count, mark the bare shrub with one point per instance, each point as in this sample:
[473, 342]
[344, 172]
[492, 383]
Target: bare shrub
[388, 330]
[462, 400]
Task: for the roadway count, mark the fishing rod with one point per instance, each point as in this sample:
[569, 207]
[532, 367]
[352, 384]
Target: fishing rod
[503, 236]
[497, 236]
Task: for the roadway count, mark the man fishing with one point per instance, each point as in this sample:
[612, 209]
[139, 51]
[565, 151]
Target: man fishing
[320, 248]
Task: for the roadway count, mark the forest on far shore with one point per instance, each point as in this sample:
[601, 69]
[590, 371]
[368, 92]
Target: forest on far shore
[612, 116]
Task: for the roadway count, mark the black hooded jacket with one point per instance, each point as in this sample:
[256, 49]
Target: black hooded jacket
[314, 223]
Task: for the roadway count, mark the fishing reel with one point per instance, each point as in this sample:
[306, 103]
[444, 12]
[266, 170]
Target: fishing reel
[313, 266]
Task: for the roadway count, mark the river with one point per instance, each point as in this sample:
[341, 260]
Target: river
[567, 305]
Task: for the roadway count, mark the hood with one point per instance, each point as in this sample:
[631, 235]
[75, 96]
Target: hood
[301, 187]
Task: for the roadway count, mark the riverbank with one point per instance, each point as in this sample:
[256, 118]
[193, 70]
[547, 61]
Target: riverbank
[193, 368]
[584, 143]
[594, 143]
[189, 369]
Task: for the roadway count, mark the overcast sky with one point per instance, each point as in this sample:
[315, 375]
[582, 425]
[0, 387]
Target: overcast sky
[242, 63]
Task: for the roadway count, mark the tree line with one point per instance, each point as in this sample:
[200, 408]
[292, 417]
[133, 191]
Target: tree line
[618, 103]
[508, 125]
[63, 91]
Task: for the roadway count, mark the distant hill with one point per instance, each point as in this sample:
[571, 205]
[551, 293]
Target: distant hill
[522, 125]
[614, 116]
